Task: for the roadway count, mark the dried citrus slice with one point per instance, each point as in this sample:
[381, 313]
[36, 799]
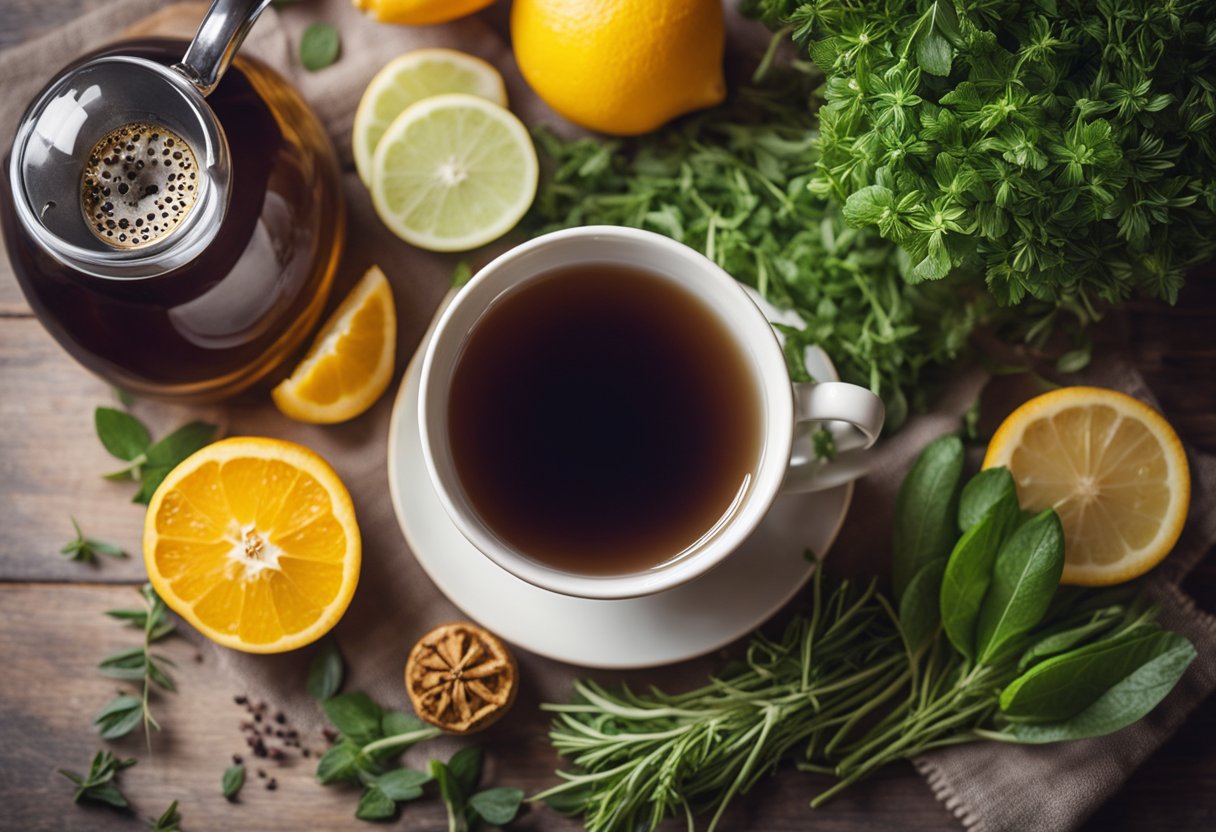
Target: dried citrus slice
[1111, 467]
[254, 542]
[461, 678]
[351, 361]
[412, 77]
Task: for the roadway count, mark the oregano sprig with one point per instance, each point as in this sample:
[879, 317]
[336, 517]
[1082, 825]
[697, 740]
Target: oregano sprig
[124, 713]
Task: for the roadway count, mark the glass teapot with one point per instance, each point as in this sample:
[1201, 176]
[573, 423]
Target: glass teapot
[174, 216]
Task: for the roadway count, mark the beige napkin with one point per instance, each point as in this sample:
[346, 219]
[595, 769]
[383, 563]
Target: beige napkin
[987, 786]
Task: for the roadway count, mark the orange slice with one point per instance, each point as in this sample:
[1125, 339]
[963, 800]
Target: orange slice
[1111, 467]
[351, 362]
[254, 542]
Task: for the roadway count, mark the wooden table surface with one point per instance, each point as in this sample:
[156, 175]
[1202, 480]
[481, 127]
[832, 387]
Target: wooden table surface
[52, 630]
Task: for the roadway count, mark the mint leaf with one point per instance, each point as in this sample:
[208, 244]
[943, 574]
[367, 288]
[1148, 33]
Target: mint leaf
[497, 806]
[338, 764]
[375, 805]
[356, 716]
[319, 46]
[403, 784]
[325, 672]
[465, 768]
[124, 436]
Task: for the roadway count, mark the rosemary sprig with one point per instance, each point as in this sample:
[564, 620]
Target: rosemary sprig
[126, 712]
[86, 549]
[98, 785]
[642, 758]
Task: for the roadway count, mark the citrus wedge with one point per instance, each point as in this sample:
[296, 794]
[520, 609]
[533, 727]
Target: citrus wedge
[412, 77]
[350, 363]
[453, 172]
[1111, 467]
[254, 542]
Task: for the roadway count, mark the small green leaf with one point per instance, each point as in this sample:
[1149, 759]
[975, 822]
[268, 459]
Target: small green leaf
[497, 806]
[395, 723]
[233, 780]
[1074, 361]
[462, 274]
[403, 783]
[355, 715]
[127, 664]
[338, 764]
[867, 205]
[124, 436]
[925, 509]
[122, 715]
[319, 46]
[986, 489]
[169, 821]
[465, 768]
[325, 672]
[1025, 577]
[374, 804]
[934, 54]
[1125, 702]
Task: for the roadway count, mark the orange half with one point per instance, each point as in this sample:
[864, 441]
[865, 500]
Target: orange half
[254, 542]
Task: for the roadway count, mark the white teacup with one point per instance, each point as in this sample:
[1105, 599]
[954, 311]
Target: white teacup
[853, 414]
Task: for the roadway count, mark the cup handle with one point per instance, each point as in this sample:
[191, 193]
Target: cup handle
[854, 417]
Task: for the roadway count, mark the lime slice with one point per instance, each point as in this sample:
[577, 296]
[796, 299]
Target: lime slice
[412, 77]
[453, 172]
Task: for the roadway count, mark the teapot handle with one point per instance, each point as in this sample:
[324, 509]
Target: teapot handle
[216, 41]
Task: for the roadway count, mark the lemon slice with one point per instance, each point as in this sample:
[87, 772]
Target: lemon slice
[453, 172]
[1111, 467]
[350, 363]
[412, 77]
[254, 542]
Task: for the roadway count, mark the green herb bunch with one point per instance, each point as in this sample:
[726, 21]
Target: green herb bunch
[124, 713]
[733, 183]
[1062, 149]
[980, 643]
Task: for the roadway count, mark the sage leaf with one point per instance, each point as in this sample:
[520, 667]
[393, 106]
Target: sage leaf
[319, 46]
[985, 489]
[497, 806]
[337, 765]
[1123, 703]
[374, 804]
[355, 715]
[465, 768]
[1065, 638]
[124, 436]
[403, 784]
[122, 715]
[325, 672]
[233, 780]
[969, 571]
[1024, 579]
[926, 508]
[1061, 687]
[918, 608]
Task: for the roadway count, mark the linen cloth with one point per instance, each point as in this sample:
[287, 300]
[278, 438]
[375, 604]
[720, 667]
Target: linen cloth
[989, 787]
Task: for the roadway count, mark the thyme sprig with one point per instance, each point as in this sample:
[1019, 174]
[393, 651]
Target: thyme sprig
[124, 713]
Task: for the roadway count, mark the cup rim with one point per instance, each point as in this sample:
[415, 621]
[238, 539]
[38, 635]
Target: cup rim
[776, 445]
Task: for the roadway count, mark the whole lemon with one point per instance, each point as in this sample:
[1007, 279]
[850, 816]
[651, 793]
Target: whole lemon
[621, 66]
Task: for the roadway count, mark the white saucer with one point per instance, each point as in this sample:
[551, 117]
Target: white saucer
[682, 623]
